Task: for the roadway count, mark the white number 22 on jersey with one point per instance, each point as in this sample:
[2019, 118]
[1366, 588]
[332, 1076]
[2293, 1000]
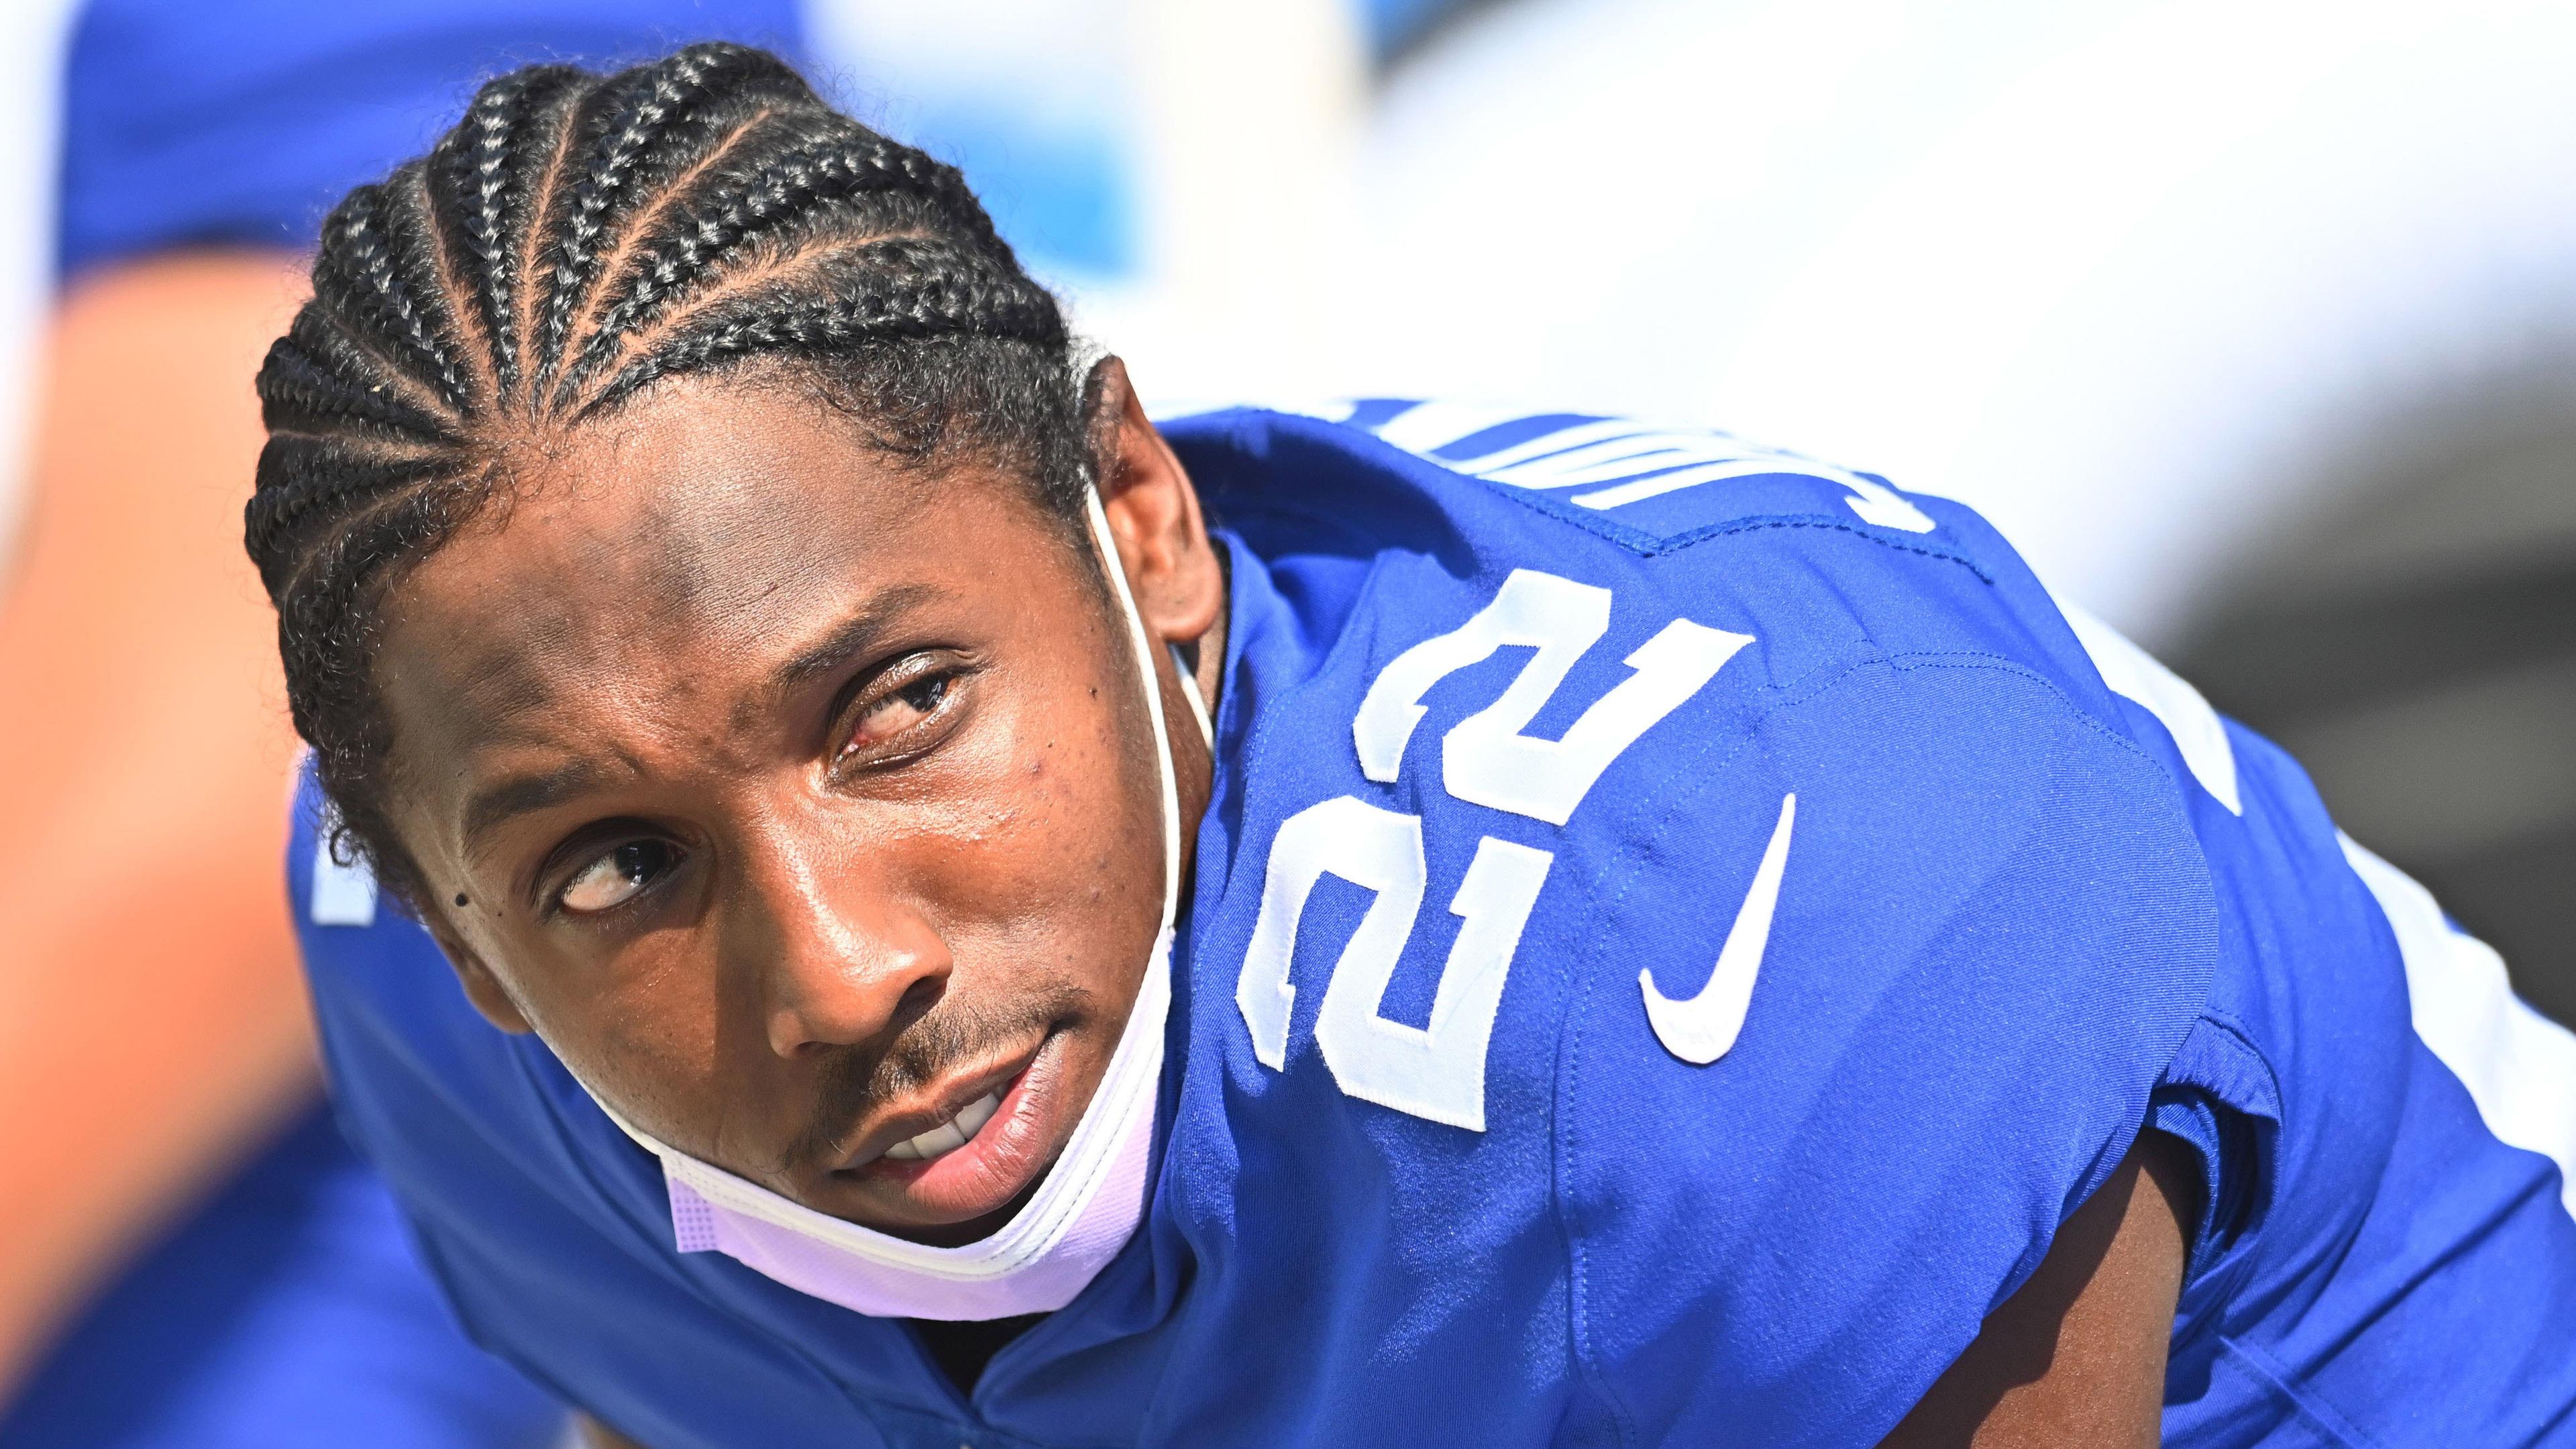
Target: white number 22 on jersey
[1437, 1072]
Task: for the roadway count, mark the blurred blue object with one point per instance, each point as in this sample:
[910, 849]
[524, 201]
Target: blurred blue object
[290, 1310]
[1394, 24]
[1063, 196]
[238, 124]
[1034, 100]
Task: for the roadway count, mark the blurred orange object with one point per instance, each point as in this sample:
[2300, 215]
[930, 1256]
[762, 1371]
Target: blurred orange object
[152, 1022]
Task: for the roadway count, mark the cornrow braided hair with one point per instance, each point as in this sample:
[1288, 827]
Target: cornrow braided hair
[575, 239]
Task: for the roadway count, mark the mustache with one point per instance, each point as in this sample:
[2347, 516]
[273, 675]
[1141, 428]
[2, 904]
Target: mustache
[858, 1079]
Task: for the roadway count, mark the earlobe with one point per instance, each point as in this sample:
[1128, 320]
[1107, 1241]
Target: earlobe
[481, 987]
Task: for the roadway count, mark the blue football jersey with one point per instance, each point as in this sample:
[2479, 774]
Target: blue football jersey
[1677, 929]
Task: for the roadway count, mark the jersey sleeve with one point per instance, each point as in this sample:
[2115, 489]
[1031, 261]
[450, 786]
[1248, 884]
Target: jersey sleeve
[241, 124]
[1993, 931]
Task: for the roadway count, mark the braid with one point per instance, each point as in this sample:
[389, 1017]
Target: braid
[303, 393]
[572, 241]
[369, 271]
[819, 176]
[653, 121]
[482, 172]
[922, 289]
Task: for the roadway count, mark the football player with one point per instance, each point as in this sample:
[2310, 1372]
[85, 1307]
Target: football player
[862, 892]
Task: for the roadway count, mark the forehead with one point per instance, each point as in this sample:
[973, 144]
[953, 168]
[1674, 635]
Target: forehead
[677, 548]
[707, 492]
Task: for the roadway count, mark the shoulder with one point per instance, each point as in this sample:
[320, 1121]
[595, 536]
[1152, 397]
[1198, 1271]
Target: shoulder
[1899, 743]
[1507, 635]
[1649, 488]
[1814, 906]
[1840, 1057]
[1822, 566]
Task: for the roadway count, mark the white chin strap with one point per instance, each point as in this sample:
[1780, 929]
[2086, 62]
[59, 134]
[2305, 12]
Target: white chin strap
[1092, 1199]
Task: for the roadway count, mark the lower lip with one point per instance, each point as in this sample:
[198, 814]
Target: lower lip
[998, 1164]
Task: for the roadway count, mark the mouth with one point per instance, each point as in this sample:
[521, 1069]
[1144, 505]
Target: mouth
[950, 1135]
[971, 1144]
[944, 1117]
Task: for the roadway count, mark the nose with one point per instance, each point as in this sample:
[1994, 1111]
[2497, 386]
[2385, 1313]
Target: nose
[838, 958]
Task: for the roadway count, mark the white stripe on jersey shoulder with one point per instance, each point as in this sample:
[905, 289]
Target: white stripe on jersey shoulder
[1614, 461]
[2198, 733]
[343, 895]
[2519, 1066]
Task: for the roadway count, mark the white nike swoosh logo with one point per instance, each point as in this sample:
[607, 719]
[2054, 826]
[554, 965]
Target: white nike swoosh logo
[1701, 1030]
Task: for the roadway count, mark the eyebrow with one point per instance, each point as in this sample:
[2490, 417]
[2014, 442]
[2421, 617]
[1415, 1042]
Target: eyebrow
[514, 795]
[849, 638]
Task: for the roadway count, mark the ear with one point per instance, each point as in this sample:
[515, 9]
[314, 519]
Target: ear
[481, 987]
[1154, 513]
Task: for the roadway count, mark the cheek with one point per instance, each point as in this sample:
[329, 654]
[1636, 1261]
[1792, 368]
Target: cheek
[1061, 834]
[643, 1035]
[1088, 790]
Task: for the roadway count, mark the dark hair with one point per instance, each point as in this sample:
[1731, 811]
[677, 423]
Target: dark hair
[574, 239]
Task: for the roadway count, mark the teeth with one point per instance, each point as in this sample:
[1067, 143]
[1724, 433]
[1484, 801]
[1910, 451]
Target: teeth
[950, 1135]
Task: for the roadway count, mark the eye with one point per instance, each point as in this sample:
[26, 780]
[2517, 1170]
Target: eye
[884, 721]
[618, 875]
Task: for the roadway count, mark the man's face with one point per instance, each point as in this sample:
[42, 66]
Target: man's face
[801, 803]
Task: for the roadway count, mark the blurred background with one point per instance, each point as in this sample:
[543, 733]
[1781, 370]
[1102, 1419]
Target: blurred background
[2254, 325]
